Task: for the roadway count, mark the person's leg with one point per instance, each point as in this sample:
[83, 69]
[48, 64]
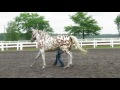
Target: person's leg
[55, 63]
[61, 62]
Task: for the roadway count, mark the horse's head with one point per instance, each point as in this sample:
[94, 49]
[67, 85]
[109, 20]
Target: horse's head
[34, 33]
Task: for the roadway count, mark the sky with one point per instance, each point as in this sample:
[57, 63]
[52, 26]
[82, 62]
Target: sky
[58, 20]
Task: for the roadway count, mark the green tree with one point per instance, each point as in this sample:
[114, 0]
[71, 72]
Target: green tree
[84, 25]
[117, 22]
[28, 21]
[21, 27]
[13, 33]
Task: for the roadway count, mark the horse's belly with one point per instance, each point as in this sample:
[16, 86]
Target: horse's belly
[49, 47]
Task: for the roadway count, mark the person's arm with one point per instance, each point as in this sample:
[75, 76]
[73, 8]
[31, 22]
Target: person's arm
[61, 51]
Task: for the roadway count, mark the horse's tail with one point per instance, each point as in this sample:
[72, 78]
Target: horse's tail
[76, 42]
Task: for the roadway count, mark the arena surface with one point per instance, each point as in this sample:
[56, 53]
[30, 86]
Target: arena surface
[98, 63]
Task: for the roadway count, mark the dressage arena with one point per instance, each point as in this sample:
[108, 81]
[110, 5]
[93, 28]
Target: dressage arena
[98, 63]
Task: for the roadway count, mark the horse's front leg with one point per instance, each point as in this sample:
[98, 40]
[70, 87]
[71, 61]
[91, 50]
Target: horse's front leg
[43, 57]
[38, 55]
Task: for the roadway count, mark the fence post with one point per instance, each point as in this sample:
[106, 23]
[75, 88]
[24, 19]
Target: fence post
[112, 43]
[94, 43]
[2, 47]
[21, 46]
[17, 46]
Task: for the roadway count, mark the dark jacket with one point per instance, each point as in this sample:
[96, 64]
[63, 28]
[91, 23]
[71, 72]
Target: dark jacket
[59, 52]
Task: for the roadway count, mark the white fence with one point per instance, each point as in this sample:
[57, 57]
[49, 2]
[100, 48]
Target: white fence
[17, 45]
[99, 39]
[96, 43]
[20, 45]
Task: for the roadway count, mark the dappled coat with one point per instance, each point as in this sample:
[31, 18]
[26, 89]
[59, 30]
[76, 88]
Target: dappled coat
[46, 42]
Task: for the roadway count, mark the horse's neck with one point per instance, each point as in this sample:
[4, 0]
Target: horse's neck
[47, 42]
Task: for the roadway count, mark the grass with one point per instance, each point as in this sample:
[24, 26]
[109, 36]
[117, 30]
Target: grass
[85, 47]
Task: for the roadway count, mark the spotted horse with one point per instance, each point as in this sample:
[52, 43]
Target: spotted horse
[46, 42]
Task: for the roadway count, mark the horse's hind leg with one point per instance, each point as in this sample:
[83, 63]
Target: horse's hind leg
[38, 55]
[69, 59]
[43, 57]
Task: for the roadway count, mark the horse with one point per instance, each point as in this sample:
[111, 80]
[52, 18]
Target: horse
[46, 42]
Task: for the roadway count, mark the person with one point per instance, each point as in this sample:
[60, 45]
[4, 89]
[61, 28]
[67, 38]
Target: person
[58, 57]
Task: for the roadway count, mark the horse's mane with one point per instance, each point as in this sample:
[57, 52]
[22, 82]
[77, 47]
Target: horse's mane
[41, 31]
[44, 32]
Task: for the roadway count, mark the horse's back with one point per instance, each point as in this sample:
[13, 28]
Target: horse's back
[64, 41]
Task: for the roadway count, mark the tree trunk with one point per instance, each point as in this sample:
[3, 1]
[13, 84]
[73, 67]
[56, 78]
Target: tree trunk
[119, 32]
[83, 34]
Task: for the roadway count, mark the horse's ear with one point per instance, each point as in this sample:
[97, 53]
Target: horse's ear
[32, 29]
[38, 31]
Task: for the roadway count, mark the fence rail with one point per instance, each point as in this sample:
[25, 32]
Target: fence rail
[96, 43]
[20, 45]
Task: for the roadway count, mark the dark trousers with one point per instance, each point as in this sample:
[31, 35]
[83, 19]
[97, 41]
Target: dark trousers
[58, 59]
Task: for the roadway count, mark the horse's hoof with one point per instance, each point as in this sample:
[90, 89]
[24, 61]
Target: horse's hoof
[31, 65]
[43, 67]
[66, 67]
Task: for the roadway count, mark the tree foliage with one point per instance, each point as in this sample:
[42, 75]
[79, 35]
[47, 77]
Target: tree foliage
[13, 33]
[117, 22]
[84, 25]
[25, 22]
